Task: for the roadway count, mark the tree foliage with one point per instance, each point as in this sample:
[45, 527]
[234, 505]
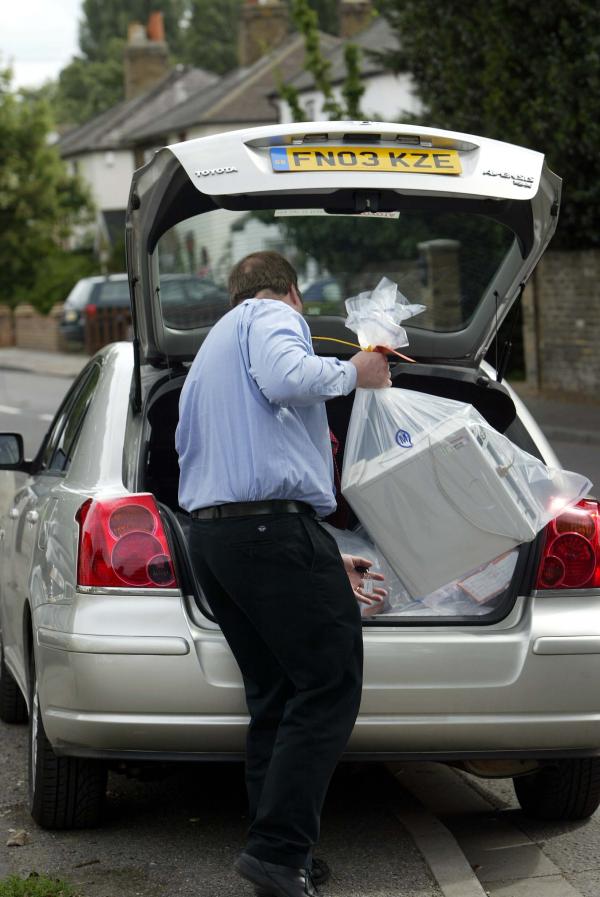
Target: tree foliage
[201, 33]
[104, 20]
[307, 23]
[210, 37]
[40, 204]
[528, 78]
[86, 88]
[93, 81]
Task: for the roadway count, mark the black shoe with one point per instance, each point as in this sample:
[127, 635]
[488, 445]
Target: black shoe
[319, 871]
[274, 880]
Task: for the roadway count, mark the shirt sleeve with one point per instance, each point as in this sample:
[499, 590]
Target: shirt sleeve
[283, 364]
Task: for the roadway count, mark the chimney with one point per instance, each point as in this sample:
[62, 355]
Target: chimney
[354, 16]
[146, 58]
[264, 24]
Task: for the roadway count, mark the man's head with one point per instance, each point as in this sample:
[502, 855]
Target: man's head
[265, 275]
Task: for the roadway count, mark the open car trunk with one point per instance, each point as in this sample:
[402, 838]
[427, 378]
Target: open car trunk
[482, 596]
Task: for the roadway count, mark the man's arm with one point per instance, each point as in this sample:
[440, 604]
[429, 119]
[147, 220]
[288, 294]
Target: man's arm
[282, 363]
[286, 371]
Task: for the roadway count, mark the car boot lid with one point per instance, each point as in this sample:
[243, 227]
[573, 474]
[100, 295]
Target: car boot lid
[354, 166]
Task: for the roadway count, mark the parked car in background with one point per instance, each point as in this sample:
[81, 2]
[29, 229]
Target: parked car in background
[188, 301]
[191, 301]
[324, 297]
[107, 642]
[89, 294]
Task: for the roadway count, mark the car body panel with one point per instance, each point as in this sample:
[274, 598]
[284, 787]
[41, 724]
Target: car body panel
[194, 701]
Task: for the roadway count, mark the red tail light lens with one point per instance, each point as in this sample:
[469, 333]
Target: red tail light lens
[571, 555]
[90, 310]
[122, 542]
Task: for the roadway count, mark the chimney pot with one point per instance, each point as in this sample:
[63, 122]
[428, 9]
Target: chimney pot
[156, 27]
[136, 33]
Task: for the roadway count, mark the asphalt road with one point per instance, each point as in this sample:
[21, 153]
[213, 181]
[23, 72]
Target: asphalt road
[177, 837]
[28, 403]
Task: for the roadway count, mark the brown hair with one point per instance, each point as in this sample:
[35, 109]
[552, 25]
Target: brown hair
[260, 271]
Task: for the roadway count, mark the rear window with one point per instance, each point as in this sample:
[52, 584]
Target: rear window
[78, 297]
[111, 293]
[444, 261]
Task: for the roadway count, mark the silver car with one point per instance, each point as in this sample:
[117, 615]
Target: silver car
[108, 644]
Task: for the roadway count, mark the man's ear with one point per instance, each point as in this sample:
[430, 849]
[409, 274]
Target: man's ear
[296, 297]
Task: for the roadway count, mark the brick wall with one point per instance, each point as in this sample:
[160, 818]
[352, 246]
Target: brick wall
[7, 335]
[36, 331]
[562, 323]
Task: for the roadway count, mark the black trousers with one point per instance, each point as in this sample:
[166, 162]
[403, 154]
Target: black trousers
[278, 588]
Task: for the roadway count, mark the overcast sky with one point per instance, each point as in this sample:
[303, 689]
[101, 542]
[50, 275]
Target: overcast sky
[38, 38]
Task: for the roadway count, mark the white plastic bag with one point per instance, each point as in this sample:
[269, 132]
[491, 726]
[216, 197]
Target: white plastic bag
[476, 594]
[439, 491]
[375, 315]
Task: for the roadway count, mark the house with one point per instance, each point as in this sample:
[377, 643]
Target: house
[100, 150]
[387, 96]
[166, 105]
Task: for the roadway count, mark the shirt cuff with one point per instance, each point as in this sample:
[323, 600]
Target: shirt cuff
[350, 376]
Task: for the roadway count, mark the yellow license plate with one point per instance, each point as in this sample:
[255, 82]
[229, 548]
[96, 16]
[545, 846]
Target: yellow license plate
[362, 158]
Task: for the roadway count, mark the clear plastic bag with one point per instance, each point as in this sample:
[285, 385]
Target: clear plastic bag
[375, 315]
[475, 595]
[439, 491]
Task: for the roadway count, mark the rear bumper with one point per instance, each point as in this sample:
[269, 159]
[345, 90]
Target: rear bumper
[526, 687]
[195, 736]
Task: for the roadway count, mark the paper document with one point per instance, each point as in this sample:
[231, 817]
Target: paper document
[492, 580]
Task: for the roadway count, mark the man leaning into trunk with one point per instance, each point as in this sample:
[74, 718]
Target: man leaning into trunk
[256, 474]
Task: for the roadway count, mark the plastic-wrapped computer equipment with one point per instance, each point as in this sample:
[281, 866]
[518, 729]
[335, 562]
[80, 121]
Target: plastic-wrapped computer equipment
[439, 491]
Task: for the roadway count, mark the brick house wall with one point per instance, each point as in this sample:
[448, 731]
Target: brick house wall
[561, 324]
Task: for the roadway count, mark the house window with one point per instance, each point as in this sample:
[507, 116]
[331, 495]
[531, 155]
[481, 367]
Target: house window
[311, 108]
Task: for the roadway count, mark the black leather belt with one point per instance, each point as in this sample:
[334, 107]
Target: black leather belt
[249, 508]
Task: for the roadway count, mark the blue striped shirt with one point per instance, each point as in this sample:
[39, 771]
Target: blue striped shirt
[252, 421]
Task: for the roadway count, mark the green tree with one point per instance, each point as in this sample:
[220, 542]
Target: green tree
[531, 79]
[210, 38]
[93, 81]
[40, 204]
[211, 32]
[86, 88]
[104, 20]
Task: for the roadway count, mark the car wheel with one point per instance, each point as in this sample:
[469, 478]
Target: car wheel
[568, 790]
[64, 792]
[13, 708]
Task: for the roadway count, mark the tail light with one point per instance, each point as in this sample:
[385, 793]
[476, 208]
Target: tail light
[571, 555]
[122, 542]
[91, 310]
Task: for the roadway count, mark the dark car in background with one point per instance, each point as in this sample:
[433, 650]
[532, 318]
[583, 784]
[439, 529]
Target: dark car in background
[89, 294]
[188, 301]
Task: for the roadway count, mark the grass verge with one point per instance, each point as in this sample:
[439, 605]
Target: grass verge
[35, 886]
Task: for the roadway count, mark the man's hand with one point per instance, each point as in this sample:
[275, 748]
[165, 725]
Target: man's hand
[372, 369]
[355, 568]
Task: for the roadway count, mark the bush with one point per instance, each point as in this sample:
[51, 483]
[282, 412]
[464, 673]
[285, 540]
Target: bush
[56, 276]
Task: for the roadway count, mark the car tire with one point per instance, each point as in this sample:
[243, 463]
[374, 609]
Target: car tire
[64, 792]
[13, 707]
[566, 790]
